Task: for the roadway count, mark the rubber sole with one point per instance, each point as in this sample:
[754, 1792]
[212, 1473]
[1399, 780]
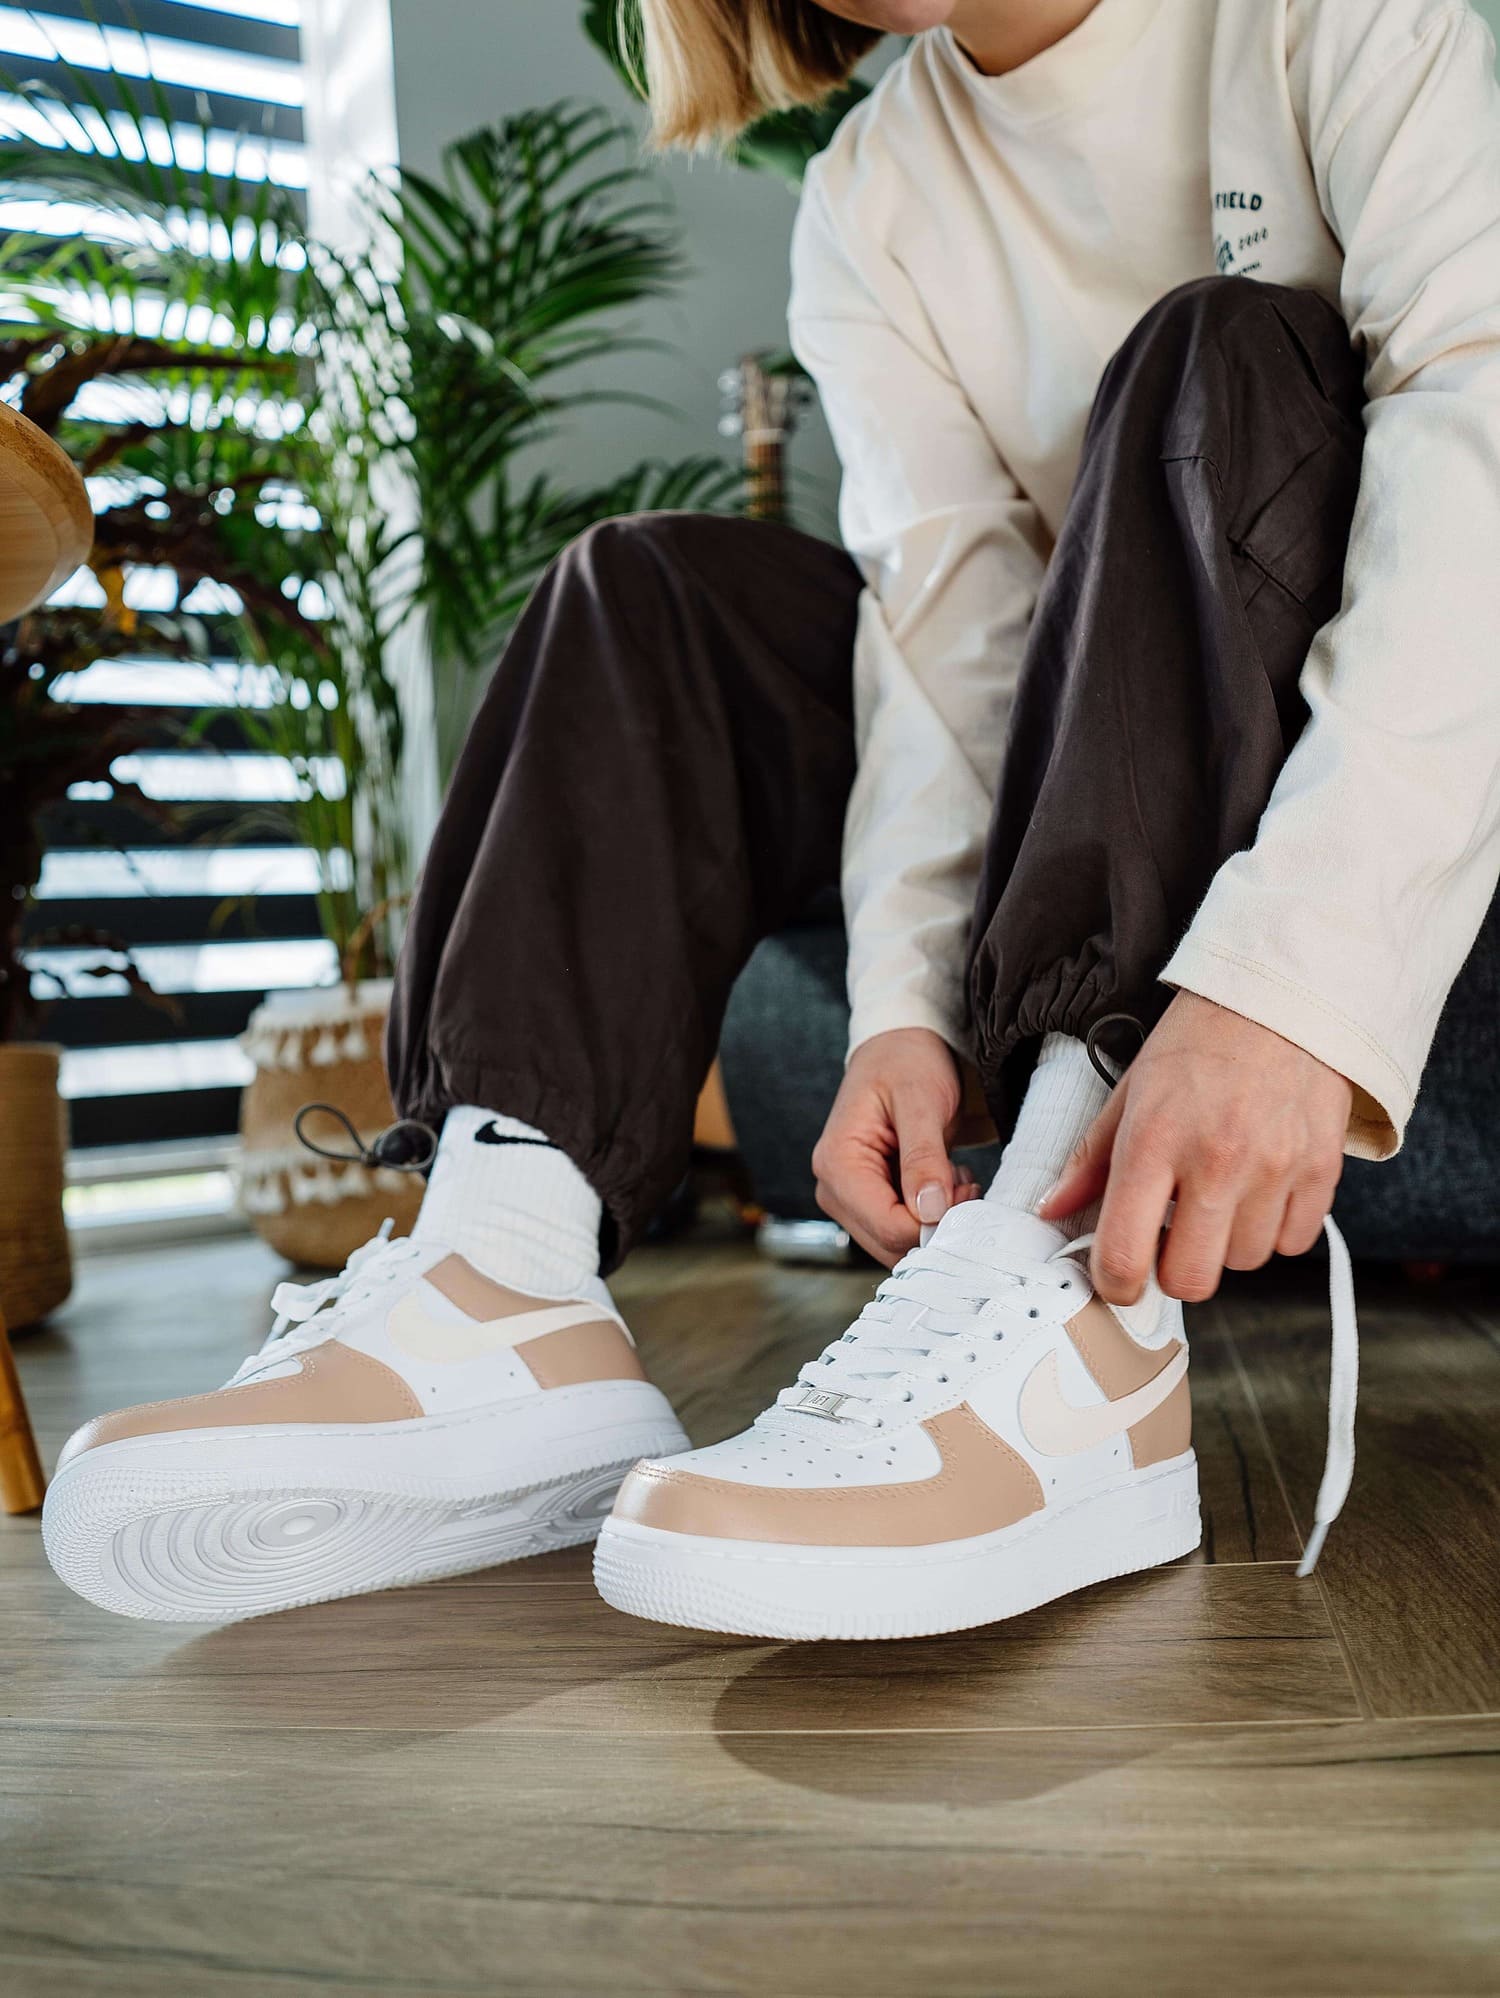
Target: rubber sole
[755, 1589]
[202, 1534]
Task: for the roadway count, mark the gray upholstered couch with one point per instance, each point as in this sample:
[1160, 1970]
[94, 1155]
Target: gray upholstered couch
[1439, 1199]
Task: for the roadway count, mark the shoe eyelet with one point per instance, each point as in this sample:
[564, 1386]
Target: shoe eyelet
[1033, 1313]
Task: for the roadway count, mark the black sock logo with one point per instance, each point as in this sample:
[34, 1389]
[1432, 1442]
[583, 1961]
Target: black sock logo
[488, 1135]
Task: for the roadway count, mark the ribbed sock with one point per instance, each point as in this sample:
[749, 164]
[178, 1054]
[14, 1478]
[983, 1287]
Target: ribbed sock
[509, 1201]
[1064, 1097]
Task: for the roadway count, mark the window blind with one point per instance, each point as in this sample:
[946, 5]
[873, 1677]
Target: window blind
[135, 1072]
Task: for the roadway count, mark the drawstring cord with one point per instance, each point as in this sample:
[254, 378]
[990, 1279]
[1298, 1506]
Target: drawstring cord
[384, 1152]
[1100, 1062]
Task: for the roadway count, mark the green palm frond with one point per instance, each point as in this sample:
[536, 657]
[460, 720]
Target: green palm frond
[206, 269]
[519, 267]
[516, 263]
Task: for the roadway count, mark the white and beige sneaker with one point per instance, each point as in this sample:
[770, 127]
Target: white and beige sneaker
[406, 1419]
[987, 1435]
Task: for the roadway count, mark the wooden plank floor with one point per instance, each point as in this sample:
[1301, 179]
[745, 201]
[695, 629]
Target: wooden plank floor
[1213, 1777]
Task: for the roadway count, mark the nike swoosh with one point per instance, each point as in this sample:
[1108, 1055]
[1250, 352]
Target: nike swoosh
[1054, 1427]
[488, 1135]
[415, 1332]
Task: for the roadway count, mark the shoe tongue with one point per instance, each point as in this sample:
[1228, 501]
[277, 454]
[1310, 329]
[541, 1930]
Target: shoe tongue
[985, 1232]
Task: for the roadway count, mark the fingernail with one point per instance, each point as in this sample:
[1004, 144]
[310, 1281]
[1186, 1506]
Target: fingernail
[932, 1203]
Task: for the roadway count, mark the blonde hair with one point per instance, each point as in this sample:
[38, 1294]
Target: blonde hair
[711, 67]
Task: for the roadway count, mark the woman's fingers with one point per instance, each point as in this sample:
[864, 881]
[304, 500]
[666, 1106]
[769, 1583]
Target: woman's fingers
[1192, 1257]
[855, 1189]
[1307, 1209]
[1239, 1128]
[1257, 1222]
[882, 1163]
[927, 1177]
[852, 1166]
[1085, 1175]
[1140, 1186]
[885, 1243]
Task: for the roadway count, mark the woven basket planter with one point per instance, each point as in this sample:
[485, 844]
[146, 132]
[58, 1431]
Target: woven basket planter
[318, 1047]
[36, 1269]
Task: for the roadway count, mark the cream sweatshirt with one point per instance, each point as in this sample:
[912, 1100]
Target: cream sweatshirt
[969, 252]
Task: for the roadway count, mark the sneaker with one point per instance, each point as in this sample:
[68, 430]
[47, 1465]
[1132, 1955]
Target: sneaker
[987, 1435]
[406, 1419]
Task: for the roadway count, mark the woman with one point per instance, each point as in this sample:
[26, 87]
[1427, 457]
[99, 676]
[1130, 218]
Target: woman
[1160, 340]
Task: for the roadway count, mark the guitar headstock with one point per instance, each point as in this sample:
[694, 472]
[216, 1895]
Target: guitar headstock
[762, 401]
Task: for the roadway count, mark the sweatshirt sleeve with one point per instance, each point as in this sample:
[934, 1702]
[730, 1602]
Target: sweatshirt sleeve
[1344, 925]
[952, 557]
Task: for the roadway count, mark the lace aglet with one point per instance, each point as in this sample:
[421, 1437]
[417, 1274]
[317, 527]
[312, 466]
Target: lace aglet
[1313, 1548]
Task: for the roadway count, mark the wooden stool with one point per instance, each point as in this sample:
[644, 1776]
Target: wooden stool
[22, 1485]
[46, 530]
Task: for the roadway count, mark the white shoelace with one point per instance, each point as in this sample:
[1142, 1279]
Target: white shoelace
[309, 1314]
[1343, 1393]
[921, 1324]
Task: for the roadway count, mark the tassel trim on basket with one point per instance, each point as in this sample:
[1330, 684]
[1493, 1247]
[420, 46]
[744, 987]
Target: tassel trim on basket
[292, 1048]
[276, 1180]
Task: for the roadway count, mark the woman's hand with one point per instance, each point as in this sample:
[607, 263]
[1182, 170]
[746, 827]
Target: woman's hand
[882, 1163]
[1242, 1129]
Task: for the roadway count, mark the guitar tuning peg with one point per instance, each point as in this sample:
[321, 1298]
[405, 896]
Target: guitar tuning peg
[731, 425]
[732, 384]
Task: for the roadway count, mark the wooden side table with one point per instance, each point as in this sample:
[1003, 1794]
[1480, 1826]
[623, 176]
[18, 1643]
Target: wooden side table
[46, 530]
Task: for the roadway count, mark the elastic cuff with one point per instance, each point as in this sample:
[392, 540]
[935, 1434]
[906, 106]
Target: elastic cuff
[632, 1179]
[1382, 1095]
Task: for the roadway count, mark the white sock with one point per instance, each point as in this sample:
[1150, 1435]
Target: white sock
[1065, 1095]
[508, 1200]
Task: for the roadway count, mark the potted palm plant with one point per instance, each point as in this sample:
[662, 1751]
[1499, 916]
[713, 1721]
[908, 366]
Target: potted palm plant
[516, 270]
[496, 288]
